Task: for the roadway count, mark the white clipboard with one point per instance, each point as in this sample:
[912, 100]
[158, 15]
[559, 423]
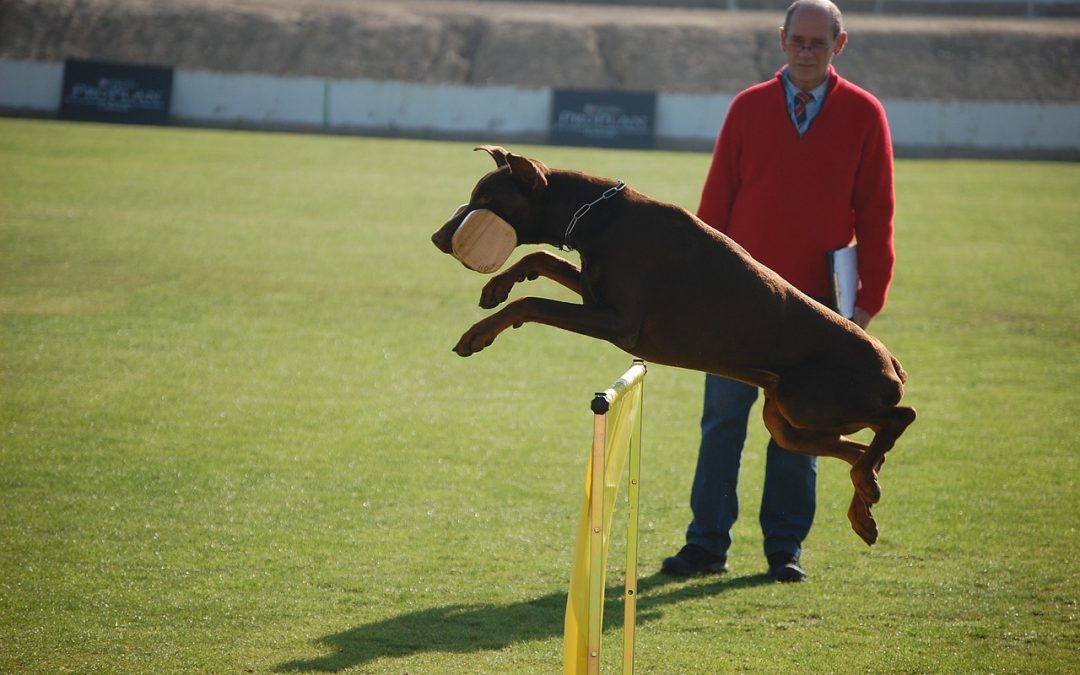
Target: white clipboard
[844, 279]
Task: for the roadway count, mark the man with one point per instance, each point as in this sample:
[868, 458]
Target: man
[802, 166]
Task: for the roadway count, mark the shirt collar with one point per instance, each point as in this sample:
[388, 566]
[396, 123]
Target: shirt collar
[817, 92]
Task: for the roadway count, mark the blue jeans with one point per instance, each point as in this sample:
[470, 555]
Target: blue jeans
[787, 501]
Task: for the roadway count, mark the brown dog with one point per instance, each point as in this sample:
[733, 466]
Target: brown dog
[662, 285]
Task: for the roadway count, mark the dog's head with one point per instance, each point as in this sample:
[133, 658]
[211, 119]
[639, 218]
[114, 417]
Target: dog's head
[502, 212]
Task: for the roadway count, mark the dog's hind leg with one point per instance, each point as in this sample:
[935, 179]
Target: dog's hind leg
[809, 441]
[862, 520]
[538, 264]
[888, 426]
[825, 444]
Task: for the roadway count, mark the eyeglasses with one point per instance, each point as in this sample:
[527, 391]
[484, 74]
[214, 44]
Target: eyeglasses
[815, 47]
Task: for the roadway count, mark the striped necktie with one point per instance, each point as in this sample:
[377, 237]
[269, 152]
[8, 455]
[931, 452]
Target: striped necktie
[801, 99]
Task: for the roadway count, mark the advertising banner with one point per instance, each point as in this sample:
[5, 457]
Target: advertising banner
[112, 92]
[606, 119]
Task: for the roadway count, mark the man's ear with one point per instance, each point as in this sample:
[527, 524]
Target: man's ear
[841, 40]
[528, 172]
[497, 153]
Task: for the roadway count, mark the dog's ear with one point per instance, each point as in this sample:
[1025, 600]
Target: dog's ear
[529, 172]
[497, 153]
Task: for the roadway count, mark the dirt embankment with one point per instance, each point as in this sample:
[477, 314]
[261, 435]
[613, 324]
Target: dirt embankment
[537, 45]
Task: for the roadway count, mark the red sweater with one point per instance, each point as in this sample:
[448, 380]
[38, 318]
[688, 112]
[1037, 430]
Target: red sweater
[789, 201]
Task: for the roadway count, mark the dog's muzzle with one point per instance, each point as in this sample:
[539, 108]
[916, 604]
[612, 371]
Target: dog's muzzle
[483, 241]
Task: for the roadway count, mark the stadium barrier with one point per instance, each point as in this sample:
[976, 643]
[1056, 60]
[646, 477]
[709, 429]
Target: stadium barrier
[920, 128]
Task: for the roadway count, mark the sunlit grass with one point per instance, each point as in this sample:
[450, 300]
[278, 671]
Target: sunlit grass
[233, 436]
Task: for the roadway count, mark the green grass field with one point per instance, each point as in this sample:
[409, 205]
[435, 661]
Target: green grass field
[233, 437]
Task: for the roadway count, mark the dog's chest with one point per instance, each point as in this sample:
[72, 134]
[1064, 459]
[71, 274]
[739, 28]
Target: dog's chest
[590, 281]
[609, 284]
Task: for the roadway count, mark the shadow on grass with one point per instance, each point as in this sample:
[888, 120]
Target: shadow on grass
[474, 628]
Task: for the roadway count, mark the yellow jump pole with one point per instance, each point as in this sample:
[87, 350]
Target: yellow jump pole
[600, 406]
[633, 495]
[621, 430]
[596, 544]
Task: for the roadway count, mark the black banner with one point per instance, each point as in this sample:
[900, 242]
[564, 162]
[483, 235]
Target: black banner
[114, 92]
[605, 119]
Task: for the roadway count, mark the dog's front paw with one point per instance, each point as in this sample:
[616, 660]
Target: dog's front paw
[461, 349]
[473, 341]
[496, 291]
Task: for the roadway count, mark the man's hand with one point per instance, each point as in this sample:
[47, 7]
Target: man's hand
[861, 318]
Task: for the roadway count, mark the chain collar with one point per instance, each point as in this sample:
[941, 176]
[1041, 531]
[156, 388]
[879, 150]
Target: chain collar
[608, 194]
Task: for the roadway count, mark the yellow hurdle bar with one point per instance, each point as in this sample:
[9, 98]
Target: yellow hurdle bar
[601, 404]
[632, 490]
[598, 517]
[596, 544]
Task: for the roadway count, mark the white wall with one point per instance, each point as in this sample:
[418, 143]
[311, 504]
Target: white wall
[986, 125]
[399, 108]
[691, 118]
[209, 98]
[30, 85]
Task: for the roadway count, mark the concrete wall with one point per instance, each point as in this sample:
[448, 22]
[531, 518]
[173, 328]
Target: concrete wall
[504, 114]
[486, 70]
[1030, 8]
[538, 45]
